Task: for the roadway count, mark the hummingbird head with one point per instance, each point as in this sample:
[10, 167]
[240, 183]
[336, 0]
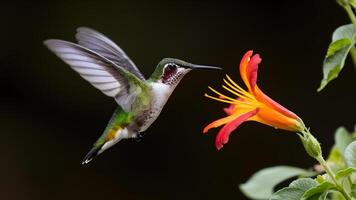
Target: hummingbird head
[170, 70]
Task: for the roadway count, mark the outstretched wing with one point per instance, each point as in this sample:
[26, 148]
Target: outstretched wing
[102, 45]
[105, 75]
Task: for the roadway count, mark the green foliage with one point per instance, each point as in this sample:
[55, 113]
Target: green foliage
[353, 190]
[336, 158]
[303, 189]
[262, 183]
[342, 40]
[342, 158]
[295, 190]
[337, 196]
[287, 193]
[303, 184]
[353, 3]
[345, 173]
[342, 139]
[350, 154]
[318, 190]
[345, 3]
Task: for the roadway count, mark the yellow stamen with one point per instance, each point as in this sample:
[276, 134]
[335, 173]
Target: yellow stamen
[238, 88]
[235, 102]
[231, 86]
[221, 100]
[238, 94]
[218, 93]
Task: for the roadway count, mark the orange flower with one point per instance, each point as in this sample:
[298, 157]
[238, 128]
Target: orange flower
[251, 105]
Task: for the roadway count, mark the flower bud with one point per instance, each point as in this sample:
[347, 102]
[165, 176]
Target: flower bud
[311, 145]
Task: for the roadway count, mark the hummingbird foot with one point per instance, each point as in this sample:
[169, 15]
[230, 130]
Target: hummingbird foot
[138, 137]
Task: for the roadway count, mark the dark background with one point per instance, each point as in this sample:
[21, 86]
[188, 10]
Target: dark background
[50, 117]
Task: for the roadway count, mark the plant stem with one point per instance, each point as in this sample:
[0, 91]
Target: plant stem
[352, 17]
[323, 163]
[353, 55]
[317, 154]
[351, 14]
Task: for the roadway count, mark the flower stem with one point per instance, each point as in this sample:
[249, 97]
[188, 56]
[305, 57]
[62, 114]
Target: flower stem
[315, 151]
[352, 17]
[327, 169]
[351, 14]
[353, 55]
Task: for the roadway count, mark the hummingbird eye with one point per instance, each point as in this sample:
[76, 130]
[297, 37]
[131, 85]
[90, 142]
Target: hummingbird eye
[171, 66]
[170, 70]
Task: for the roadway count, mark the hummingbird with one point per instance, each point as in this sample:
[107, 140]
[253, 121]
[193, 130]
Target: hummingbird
[107, 67]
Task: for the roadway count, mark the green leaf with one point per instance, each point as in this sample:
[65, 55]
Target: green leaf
[262, 183]
[342, 40]
[295, 190]
[335, 159]
[337, 196]
[345, 172]
[318, 190]
[353, 190]
[350, 154]
[319, 178]
[303, 183]
[342, 138]
[323, 196]
[304, 189]
[287, 193]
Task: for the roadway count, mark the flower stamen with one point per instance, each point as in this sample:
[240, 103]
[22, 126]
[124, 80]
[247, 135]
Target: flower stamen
[235, 102]
[238, 88]
[238, 94]
[218, 99]
[218, 93]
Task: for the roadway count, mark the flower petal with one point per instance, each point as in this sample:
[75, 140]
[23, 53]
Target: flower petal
[219, 122]
[229, 110]
[223, 135]
[232, 108]
[251, 71]
[234, 111]
[262, 97]
[243, 66]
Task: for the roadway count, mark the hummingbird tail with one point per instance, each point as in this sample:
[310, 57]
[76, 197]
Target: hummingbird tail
[105, 142]
[98, 149]
[113, 133]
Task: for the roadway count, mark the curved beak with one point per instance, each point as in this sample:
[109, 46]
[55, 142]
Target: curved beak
[193, 66]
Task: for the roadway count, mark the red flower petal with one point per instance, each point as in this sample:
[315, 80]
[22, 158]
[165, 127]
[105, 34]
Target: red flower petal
[273, 104]
[251, 71]
[243, 66]
[219, 122]
[223, 135]
[230, 109]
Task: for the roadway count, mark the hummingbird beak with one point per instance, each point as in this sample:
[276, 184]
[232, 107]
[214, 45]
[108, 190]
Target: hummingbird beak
[193, 66]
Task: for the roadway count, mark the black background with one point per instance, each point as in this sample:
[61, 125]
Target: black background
[50, 117]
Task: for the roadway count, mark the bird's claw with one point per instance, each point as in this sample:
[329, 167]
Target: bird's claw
[138, 137]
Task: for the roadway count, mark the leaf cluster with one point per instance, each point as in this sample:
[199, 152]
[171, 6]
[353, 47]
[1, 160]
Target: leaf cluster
[311, 184]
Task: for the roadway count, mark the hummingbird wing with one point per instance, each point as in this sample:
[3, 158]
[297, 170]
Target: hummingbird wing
[103, 74]
[102, 45]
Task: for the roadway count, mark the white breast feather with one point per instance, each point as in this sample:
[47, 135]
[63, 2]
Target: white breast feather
[161, 93]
